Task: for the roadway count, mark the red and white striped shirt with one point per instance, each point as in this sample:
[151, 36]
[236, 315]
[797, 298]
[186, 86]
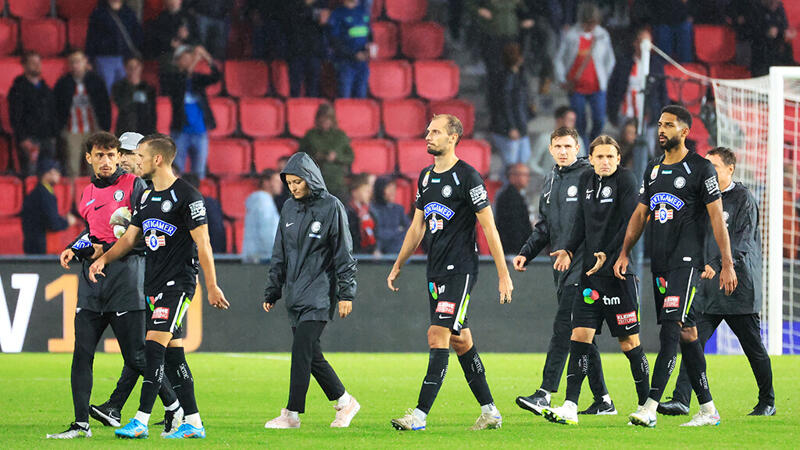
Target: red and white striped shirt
[81, 114]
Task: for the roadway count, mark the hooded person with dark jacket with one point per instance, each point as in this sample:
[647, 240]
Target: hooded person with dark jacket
[312, 269]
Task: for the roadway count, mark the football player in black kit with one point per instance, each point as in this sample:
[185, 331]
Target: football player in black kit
[172, 217]
[606, 200]
[679, 194]
[450, 195]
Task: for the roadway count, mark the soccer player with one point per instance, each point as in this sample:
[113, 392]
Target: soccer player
[450, 195]
[558, 207]
[679, 194]
[606, 201]
[740, 310]
[313, 269]
[173, 219]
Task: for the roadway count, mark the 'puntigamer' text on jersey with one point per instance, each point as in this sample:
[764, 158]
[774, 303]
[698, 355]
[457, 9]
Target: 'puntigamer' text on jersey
[166, 218]
[449, 202]
[676, 196]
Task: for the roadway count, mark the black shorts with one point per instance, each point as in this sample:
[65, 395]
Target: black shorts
[611, 299]
[167, 310]
[449, 299]
[673, 292]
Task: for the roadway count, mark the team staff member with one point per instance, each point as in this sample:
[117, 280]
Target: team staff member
[739, 310]
[558, 207]
[173, 218]
[450, 196]
[313, 269]
[679, 194]
[606, 201]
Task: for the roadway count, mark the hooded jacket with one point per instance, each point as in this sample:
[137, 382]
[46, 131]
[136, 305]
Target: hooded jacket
[312, 265]
[558, 208]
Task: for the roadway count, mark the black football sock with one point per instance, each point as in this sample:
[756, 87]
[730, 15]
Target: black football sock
[640, 369]
[695, 360]
[669, 336]
[153, 374]
[180, 376]
[597, 382]
[577, 368]
[476, 376]
[437, 368]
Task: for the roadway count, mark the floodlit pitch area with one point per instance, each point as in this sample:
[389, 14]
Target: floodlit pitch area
[237, 393]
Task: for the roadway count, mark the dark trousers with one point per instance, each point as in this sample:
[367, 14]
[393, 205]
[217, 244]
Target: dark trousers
[307, 360]
[126, 383]
[304, 70]
[747, 329]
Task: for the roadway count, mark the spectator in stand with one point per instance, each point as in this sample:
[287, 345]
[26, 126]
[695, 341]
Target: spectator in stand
[174, 27]
[359, 216]
[269, 37]
[212, 18]
[135, 100]
[539, 42]
[32, 112]
[583, 66]
[304, 21]
[261, 219]
[672, 27]
[510, 120]
[40, 210]
[391, 220]
[214, 215]
[327, 144]
[191, 115]
[627, 143]
[283, 190]
[114, 33]
[82, 108]
[137, 6]
[350, 36]
[540, 161]
[513, 221]
[772, 38]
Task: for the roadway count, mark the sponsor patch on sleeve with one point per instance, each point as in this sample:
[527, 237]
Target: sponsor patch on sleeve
[478, 194]
[712, 186]
[626, 318]
[446, 307]
[160, 313]
[197, 209]
[673, 301]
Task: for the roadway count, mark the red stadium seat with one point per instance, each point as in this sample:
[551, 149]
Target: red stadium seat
[728, 72]
[11, 230]
[45, 36]
[76, 32]
[464, 110]
[209, 188]
[5, 119]
[792, 9]
[150, 74]
[12, 190]
[405, 119]
[262, 117]
[406, 10]
[57, 241]
[216, 88]
[5, 153]
[683, 89]
[238, 235]
[229, 156]
[70, 9]
[412, 157]
[267, 152]
[9, 36]
[77, 190]
[436, 80]
[422, 40]
[714, 43]
[384, 34]
[377, 9]
[406, 191]
[29, 9]
[232, 194]
[375, 156]
[229, 238]
[224, 110]
[246, 78]
[390, 80]
[300, 114]
[279, 71]
[358, 118]
[699, 134]
[475, 152]
[62, 191]
[492, 188]
[163, 114]
[10, 68]
[53, 69]
[151, 9]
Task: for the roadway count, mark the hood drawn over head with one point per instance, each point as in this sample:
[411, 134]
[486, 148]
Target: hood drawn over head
[303, 166]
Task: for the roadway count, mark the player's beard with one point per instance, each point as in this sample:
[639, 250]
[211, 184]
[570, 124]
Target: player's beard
[434, 151]
[670, 144]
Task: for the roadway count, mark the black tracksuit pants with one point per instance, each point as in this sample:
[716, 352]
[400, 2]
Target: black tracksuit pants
[307, 360]
[747, 329]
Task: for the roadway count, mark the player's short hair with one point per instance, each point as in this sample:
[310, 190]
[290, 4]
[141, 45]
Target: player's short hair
[725, 154]
[453, 125]
[162, 145]
[101, 139]
[603, 139]
[562, 111]
[28, 54]
[565, 131]
[680, 112]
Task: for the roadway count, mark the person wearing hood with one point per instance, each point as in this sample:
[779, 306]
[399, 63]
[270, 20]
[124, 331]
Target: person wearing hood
[558, 207]
[313, 270]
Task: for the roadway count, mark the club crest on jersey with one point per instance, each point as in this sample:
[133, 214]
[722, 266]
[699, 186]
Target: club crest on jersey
[663, 214]
[665, 197]
[425, 179]
[119, 195]
[679, 182]
[438, 208]
[606, 192]
[654, 172]
[725, 217]
[166, 206]
[447, 191]
[435, 224]
[572, 191]
[316, 226]
[154, 241]
[159, 225]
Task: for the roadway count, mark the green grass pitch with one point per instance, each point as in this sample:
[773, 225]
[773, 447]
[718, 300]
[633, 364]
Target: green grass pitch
[237, 393]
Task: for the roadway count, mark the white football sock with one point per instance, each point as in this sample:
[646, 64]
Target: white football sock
[294, 415]
[142, 417]
[194, 420]
[175, 405]
[83, 424]
[344, 400]
[489, 408]
[570, 405]
[419, 414]
[607, 399]
[651, 405]
[708, 408]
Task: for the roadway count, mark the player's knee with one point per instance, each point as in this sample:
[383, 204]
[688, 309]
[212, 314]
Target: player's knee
[688, 334]
[438, 337]
[628, 343]
[461, 344]
[581, 334]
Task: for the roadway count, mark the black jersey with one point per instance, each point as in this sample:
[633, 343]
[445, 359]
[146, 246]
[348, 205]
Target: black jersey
[677, 195]
[449, 202]
[166, 218]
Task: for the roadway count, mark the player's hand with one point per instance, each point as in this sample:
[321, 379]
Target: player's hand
[97, 269]
[66, 257]
[601, 259]
[519, 263]
[345, 308]
[562, 260]
[98, 251]
[392, 277]
[268, 306]
[621, 266]
[216, 298]
[505, 287]
[727, 279]
[708, 273]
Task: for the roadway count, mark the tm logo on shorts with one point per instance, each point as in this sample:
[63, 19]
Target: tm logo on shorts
[673, 301]
[627, 318]
[446, 307]
[160, 313]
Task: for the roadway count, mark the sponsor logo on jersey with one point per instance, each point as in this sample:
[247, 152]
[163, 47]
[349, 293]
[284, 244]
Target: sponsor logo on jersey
[665, 198]
[144, 195]
[673, 301]
[166, 206]
[425, 178]
[654, 172]
[119, 195]
[478, 194]
[572, 191]
[438, 208]
[432, 289]
[197, 209]
[606, 192]
[627, 318]
[160, 313]
[667, 172]
[447, 191]
[712, 186]
[590, 296]
[435, 180]
[664, 214]
[679, 182]
[83, 242]
[446, 307]
[159, 225]
[610, 301]
[661, 284]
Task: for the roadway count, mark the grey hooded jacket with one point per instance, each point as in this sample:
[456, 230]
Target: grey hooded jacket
[312, 265]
